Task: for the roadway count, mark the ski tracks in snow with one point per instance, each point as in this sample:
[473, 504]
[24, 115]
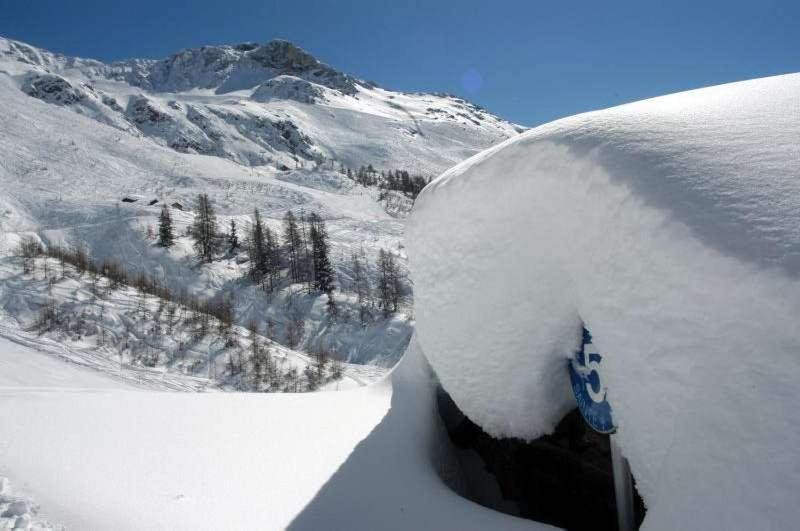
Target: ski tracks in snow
[89, 358]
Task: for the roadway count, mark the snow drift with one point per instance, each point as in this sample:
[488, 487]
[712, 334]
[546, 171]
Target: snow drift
[671, 227]
[100, 453]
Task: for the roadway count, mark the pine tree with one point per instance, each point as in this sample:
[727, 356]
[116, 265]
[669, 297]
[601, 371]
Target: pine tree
[383, 281]
[323, 271]
[395, 281]
[389, 282]
[204, 228]
[291, 238]
[272, 258]
[258, 252]
[166, 238]
[361, 285]
[306, 262]
[233, 237]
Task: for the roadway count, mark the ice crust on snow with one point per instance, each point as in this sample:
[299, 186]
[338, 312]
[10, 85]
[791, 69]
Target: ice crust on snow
[671, 228]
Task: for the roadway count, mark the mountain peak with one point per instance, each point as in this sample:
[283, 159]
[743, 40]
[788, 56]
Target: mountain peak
[227, 68]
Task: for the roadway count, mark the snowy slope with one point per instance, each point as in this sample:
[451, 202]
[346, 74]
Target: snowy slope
[252, 126]
[126, 459]
[670, 228]
[106, 326]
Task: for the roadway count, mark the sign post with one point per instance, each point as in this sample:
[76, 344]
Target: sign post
[590, 394]
[623, 487]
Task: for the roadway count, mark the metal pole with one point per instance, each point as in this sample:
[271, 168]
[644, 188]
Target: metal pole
[623, 487]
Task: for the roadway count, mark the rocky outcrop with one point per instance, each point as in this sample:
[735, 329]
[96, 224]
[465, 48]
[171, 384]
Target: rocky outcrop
[288, 88]
[229, 68]
[53, 89]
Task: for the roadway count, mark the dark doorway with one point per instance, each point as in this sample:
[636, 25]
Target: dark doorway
[563, 479]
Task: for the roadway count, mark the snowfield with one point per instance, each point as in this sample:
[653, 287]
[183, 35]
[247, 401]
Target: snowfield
[99, 454]
[671, 228]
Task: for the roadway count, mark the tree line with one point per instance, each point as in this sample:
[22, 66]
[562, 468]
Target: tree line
[398, 180]
[299, 252]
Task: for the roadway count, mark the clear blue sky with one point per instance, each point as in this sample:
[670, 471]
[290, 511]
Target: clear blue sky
[527, 61]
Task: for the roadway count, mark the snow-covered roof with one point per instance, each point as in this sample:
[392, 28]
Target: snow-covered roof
[671, 228]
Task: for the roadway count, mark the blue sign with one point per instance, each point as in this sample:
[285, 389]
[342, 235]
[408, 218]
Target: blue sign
[588, 386]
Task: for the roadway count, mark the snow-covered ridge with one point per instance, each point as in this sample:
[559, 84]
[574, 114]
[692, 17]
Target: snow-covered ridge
[669, 227]
[230, 68]
[226, 100]
[222, 68]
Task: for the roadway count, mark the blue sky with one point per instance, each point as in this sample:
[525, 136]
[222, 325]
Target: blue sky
[527, 61]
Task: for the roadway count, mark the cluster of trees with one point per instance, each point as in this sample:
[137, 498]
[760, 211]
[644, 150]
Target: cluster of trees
[304, 253]
[265, 255]
[385, 292]
[301, 250]
[260, 370]
[402, 181]
[270, 373]
[304, 250]
[399, 180]
[204, 231]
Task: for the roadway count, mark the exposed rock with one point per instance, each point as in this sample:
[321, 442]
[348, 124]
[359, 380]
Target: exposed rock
[142, 110]
[53, 89]
[227, 68]
[288, 88]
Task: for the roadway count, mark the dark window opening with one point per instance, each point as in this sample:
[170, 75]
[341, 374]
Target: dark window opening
[563, 479]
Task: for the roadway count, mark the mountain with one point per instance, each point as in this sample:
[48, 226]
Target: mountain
[90, 151]
[271, 104]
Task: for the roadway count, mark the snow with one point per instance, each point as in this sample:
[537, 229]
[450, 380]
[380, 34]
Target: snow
[103, 443]
[78, 135]
[237, 102]
[25, 369]
[114, 324]
[98, 455]
[65, 182]
[19, 512]
[670, 228]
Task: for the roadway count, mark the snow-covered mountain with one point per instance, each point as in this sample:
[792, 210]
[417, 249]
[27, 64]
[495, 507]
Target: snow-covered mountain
[253, 126]
[270, 104]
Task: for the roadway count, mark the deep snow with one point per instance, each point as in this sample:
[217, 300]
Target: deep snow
[98, 455]
[670, 228]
